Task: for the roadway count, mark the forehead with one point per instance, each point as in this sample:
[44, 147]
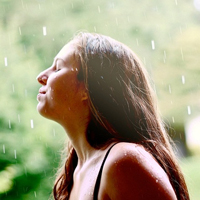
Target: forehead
[67, 53]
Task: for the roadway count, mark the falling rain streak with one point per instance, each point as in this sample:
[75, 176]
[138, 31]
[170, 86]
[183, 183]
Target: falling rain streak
[170, 90]
[19, 120]
[153, 44]
[20, 32]
[182, 54]
[116, 20]
[183, 79]
[54, 132]
[137, 42]
[4, 149]
[13, 88]
[164, 56]
[25, 93]
[15, 153]
[9, 124]
[189, 110]
[32, 125]
[6, 61]
[99, 9]
[44, 30]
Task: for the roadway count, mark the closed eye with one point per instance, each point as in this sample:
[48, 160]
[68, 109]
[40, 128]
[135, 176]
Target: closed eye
[57, 70]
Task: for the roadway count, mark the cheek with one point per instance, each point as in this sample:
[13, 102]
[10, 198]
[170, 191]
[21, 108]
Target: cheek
[63, 92]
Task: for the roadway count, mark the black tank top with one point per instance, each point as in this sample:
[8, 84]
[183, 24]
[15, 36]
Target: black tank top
[97, 184]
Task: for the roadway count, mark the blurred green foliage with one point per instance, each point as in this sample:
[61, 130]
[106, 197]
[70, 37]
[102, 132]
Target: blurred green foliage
[30, 145]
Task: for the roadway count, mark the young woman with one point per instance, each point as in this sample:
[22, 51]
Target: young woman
[98, 91]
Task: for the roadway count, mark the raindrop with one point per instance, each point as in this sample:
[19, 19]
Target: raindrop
[20, 32]
[72, 69]
[95, 29]
[25, 92]
[15, 153]
[99, 9]
[101, 77]
[153, 44]
[165, 56]
[4, 149]
[90, 193]
[176, 2]
[72, 5]
[183, 79]
[44, 30]
[54, 132]
[170, 91]
[9, 124]
[116, 20]
[137, 42]
[18, 116]
[144, 61]
[182, 54]
[25, 51]
[189, 110]
[13, 88]
[32, 125]
[156, 180]
[22, 3]
[35, 194]
[76, 69]
[6, 61]
[173, 120]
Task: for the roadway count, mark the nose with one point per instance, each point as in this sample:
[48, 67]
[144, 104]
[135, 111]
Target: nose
[42, 78]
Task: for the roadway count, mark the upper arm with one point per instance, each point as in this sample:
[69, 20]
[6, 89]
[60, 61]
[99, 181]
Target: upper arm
[131, 173]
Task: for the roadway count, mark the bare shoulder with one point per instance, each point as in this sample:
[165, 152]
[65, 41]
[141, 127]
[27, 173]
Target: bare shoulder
[130, 172]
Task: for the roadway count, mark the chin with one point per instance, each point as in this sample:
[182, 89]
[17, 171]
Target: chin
[47, 113]
[42, 111]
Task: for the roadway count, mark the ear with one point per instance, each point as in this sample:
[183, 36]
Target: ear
[84, 96]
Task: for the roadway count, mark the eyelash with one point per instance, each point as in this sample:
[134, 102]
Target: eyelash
[57, 70]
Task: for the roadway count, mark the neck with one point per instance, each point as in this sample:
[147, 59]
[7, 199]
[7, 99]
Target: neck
[77, 136]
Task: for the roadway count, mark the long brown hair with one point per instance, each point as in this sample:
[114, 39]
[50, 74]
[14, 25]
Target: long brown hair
[122, 107]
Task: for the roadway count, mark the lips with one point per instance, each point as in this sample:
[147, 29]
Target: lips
[42, 91]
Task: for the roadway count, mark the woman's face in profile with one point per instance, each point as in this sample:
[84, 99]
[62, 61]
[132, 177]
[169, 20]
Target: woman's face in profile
[60, 93]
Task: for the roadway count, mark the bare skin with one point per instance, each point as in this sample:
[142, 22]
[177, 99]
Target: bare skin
[129, 173]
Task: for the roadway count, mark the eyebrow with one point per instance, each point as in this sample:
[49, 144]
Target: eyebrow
[56, 59]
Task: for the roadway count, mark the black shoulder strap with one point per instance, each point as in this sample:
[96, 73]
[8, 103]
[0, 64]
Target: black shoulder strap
[97, 184]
